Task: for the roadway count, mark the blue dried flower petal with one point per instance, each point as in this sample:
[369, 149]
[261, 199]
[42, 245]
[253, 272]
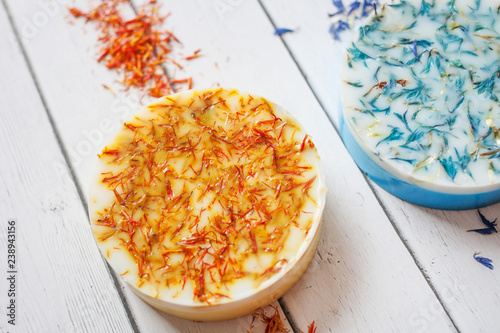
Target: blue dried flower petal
[335, 14]
[375, 76]
[463, 160]
[386, 110]
[339, 5]
[487, 262]
[451, 6]
[449, 166]
[391, 61]
[458, 105]
[490, 67]
[474, 124]
[451, 121]
[424, 9]
[411, 62]
[366, 29]
[403, 119]
[446, 39]
[483, 231]
[412, 162]
[338, 27]
[459, 82]
[414, 136]
[440, 68]
[470, 53]
[355, 5]
[428, 64]
[489, 224]
[356, 84]
[344, 24]
[357, 54]
[392, 81]
[411, 26]
[413, 49]
[486, 86]
[367, 6]
[418, 93]
[281, 31]
[424, 43]
[397, 5]
[395, 134]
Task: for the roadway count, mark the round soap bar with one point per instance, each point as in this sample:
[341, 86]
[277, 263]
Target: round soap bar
[420, 109]
[209, 203]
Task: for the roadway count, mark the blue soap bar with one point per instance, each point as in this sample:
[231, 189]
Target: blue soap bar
[420, 108]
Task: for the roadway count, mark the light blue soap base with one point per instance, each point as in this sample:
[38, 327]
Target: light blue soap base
[410, 192]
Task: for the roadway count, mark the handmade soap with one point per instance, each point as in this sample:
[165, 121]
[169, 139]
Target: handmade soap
[208, 203]
[420, 108]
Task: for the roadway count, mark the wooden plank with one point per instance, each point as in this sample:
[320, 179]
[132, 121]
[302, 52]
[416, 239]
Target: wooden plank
[362, 278]
[438, 239]
[62, 284]
[444, 250]
[86, 115]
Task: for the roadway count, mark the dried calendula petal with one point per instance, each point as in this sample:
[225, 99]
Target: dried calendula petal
[137, 47]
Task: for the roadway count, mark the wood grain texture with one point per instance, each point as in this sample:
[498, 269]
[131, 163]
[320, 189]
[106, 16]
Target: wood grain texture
[63, 285]
[438, 239]
[362, 279]
[86, 116]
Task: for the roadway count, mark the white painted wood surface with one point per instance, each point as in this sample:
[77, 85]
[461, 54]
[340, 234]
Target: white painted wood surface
[437, 239]
[378, 267]
[62, 284]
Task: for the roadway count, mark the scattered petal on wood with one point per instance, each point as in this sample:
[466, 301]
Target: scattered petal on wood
[482, 231]
[338, 27]
[491, 226]
[273, 323]
[343, 19]
[311, 328]
[339, 4]
[355, 5]
[137, 48]
[487, 262]
[282, 31]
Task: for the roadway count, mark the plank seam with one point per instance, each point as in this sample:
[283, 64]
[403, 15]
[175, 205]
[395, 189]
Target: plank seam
[299, 68]
[384, 208]
[288, 316]
[123, 298]
[410, 251]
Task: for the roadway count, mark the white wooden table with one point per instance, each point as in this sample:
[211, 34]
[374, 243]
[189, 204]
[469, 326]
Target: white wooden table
[382, 265]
